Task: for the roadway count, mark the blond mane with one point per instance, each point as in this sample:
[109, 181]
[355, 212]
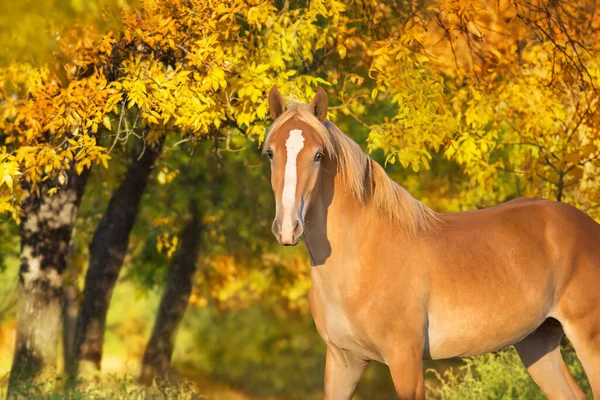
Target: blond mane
[363, 178]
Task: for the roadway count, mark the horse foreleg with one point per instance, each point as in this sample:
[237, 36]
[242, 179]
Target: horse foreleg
[342, 373]
[406, 367]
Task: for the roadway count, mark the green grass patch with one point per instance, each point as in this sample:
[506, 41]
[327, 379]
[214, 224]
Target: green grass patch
[110, 388]
[499, 375]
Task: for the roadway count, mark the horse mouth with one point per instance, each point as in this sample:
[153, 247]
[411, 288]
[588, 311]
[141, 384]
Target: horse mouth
[291, 244]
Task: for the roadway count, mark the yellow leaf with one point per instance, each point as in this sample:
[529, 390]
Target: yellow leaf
[8, 180]
[106, 122]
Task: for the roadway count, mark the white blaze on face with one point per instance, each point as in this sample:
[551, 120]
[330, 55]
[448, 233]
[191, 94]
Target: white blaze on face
[294, 144]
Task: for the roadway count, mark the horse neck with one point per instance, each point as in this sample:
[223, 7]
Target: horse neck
[331, 217]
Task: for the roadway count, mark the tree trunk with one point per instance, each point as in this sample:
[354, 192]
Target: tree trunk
[157, 357]
[70, 310]
[107, 251]
[45, 234]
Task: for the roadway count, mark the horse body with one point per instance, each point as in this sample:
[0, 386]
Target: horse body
[395, 282]
[495, 275]
[496, 270]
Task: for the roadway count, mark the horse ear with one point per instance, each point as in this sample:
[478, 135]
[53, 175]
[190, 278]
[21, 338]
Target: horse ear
[318, 106]
[276, 103]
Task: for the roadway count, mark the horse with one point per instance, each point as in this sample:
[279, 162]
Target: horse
[395, 282]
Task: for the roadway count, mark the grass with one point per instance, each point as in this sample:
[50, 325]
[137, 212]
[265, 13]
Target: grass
[499, 375]
[111, 388]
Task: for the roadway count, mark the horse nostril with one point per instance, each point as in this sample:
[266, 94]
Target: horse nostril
[298, 229]
[275, 228]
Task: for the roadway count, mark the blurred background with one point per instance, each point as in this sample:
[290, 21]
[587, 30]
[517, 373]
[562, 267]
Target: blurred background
[135, 204]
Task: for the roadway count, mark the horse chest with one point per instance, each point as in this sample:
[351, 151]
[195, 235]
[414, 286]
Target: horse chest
[336, 325]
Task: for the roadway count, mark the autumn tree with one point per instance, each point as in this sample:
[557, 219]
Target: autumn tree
[511, 90]
[46, 226]
[182, 68]
[45, 145]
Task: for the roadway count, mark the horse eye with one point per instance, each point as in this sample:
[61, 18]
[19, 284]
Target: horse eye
[318, 156]
[270, 154]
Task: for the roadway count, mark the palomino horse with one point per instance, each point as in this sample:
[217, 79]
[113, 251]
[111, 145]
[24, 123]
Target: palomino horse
[395, 282]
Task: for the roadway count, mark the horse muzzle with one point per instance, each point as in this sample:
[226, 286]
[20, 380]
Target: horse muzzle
[287, 234]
